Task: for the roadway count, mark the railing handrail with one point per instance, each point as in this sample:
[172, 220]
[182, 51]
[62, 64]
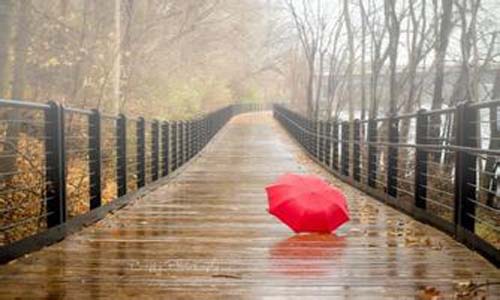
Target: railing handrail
[405, 145]
[87, 111]
[475, 105]
[23, 104]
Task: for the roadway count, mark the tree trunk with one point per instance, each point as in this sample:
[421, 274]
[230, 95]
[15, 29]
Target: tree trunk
[8, 161]
[118, 59]
[310, 83]
[445, 27]
[6, 8]
[394, 31]
[373, 93]
[416, 29]
[350, 66]
[319, 87]
[22, 40]
[81, 66]
[494, 142]
[442, 36]
[363, 63]
[128, 57]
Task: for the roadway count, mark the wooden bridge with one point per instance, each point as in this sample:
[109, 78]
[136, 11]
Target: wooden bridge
[203, 232]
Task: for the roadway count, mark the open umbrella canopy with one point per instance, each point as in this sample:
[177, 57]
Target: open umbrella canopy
[307, 203]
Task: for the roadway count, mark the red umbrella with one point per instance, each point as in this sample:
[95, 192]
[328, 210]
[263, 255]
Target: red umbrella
[307, 203]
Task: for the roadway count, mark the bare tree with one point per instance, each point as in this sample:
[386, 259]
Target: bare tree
[417, 33]
[393, 24]
[337, 58]
[363, 59]
[463, 89]
[443, 27]
[308, 36]
[6, 10]
[352, 58]
[379, 53]
[8, 164]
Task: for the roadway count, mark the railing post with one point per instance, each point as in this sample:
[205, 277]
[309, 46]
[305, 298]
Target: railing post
[335, 141]
[372, 153]
[422, 131]
[155, 150]
[356, 153]
[321, 150]
[165, 130]
[312, 135]
[178, 152]
[196, 138]
[95, 162]
[197, 141]
[310, 132]
[303, 125]
[213, 120]
[204, 131]
[186, 142]
[294, 130]
[173, 149]
[55, 185]
[198, 134]
[316, 139]
[328, 146]
[121, 155]
[182, 142]
[392, 158]
[345, 148]
[211, 126]
[208, 128]
[299, 126]
[191, 138]
[141, 153]
[465, 168]
[307, 134]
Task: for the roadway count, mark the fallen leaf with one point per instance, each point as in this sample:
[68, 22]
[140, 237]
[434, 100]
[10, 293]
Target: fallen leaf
[226, 276]
[429, 293]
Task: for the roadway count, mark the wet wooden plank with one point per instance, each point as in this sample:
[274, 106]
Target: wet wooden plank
[207, 235]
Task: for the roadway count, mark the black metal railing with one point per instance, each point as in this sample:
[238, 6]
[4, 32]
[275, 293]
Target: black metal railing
[59, 166]
[440, 166]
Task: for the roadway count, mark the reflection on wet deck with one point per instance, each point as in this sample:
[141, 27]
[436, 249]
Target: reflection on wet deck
[207, 234]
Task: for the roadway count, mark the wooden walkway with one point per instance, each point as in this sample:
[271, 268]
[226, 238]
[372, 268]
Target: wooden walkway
[206, 234]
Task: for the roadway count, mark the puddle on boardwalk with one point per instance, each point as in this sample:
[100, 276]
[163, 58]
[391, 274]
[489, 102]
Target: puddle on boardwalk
[307, 255]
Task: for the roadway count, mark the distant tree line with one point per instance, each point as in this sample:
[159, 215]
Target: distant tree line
[388, 49]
